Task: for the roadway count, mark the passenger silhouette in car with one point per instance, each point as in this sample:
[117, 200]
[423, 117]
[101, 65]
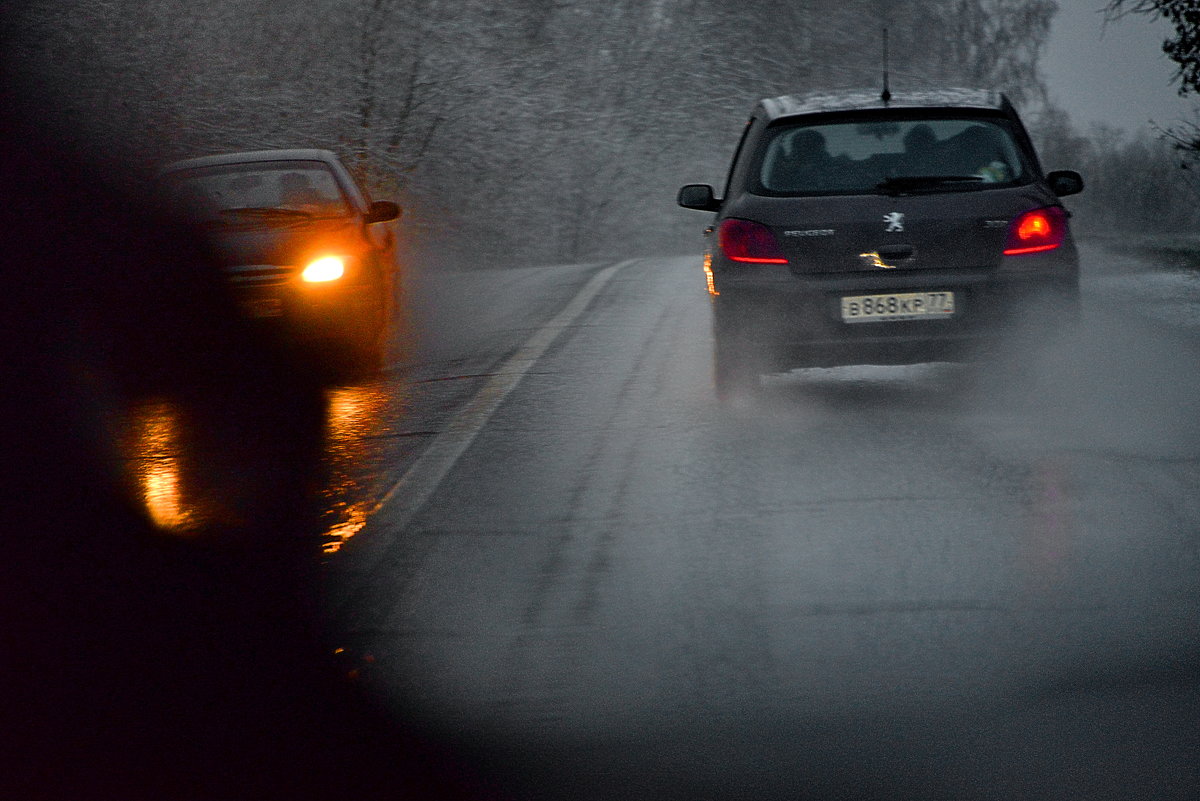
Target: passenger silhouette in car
[920, 150]
[806, 165]
[980, 153]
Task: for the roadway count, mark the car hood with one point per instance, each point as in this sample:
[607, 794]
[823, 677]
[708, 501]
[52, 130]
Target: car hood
[283, 245]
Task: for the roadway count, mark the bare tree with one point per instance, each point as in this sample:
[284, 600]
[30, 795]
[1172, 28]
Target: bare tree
[1183, 49]
[531, 130]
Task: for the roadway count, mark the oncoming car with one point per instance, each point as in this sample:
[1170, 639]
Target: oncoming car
[860, 228]
[301, 243]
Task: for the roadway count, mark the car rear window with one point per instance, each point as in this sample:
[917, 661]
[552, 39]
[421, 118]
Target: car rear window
[867, 156]
[306, 186]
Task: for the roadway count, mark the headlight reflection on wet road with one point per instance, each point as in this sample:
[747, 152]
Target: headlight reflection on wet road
[354, 422]
[185, 487]
[155, 467]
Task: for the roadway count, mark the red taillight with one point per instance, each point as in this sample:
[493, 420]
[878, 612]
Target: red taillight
[749, 242]
[1036, 231]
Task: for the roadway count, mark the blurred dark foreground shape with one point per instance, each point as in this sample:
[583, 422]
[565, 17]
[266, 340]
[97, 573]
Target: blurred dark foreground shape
[137, 664]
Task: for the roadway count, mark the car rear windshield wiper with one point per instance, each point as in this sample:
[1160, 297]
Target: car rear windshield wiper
[906, 183]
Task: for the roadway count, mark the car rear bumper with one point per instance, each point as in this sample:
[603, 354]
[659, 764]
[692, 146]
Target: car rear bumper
[783, 319]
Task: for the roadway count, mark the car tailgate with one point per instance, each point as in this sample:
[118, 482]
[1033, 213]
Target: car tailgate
[906, 232]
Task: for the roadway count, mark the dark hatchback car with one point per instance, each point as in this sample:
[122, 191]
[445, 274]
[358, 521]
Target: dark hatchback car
[861, 230]
[305, 249]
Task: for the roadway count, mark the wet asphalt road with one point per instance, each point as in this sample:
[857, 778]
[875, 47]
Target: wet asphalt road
[871, 582]
[640, 592]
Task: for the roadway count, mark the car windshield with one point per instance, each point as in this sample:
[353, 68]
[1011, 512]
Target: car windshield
[857, 157]
[234, 192]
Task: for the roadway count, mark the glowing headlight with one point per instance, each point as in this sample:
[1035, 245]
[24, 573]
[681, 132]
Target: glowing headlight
[326, 268]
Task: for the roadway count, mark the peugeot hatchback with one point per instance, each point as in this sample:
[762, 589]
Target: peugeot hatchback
[856, 228]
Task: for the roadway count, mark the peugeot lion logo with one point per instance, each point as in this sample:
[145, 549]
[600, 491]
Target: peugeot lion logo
[895, 222]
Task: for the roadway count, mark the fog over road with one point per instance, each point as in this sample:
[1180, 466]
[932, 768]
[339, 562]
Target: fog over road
[920, 580]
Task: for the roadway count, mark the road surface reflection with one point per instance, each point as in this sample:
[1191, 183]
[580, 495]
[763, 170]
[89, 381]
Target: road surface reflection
[190, 476]
[355, 434]
[156, 469]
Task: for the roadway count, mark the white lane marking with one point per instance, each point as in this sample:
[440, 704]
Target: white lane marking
[414, 489]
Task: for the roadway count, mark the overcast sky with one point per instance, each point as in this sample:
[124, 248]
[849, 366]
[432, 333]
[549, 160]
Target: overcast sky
[1117, 74]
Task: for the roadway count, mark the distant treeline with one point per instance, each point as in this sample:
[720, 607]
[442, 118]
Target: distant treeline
[1137, 184]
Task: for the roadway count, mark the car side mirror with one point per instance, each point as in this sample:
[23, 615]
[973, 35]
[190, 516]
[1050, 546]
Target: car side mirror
[699, 197]
[1065, 182]
[383, 211]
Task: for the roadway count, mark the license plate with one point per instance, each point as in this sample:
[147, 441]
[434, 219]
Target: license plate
[898, 306]
[262, 307]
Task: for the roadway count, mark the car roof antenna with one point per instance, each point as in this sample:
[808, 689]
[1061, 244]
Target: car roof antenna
[886, 95]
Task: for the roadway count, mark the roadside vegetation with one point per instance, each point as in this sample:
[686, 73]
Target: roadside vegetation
[529, 131]
[1138, 185]
[1143, 190]
[542, 131]
[1183, 48]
